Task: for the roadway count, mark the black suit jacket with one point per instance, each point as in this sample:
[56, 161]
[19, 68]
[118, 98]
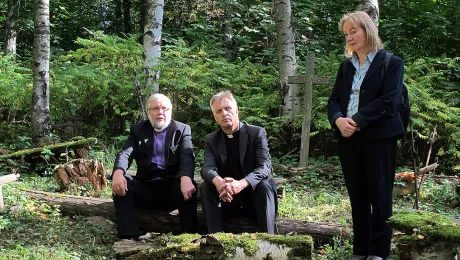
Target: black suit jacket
[254, 154]
[377, 114]
[179, 157]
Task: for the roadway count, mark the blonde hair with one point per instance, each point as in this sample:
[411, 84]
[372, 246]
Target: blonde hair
[362, 19]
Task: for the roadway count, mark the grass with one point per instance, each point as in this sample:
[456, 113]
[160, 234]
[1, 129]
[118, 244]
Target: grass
[30, 229]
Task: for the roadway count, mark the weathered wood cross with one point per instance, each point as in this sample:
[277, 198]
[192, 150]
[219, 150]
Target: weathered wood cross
[309, 80]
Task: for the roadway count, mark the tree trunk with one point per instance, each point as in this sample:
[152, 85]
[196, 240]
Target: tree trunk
[127, 16]
[289, 93]
[143, 14]
[152, 42]
[163, 222]
[371, 7]
[118, 24]
[11, 26]
[41, 118]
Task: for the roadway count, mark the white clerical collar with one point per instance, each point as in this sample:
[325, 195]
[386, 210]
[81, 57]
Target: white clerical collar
[231, 135]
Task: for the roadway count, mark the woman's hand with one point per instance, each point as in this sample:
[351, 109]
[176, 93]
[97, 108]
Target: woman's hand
[347, 126]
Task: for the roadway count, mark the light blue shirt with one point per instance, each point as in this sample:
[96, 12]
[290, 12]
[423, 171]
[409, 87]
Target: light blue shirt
[360, 73]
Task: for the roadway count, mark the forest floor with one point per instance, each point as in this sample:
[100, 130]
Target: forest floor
[31, 229]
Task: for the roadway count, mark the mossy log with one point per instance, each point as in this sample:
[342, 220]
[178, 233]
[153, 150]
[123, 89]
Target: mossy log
[425, 235]
[55, 148]
[163, 222]
[217, 246]
[81, 172]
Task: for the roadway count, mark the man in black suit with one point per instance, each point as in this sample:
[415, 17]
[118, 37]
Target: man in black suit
[237, 170]
[165, 164]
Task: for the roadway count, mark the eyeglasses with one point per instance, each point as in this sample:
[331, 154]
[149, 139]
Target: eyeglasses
[157, 109]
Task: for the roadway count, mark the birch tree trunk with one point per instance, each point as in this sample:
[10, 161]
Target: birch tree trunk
[11, 26]
[41, 120]
[152, 41]
[371, 7]
[289, 93]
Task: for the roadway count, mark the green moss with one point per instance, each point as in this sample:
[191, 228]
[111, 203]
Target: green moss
[301, 245]
[56, 147]
[430, 225]
[187, 246]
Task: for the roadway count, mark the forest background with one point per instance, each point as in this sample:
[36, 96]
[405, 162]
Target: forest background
[210, 46]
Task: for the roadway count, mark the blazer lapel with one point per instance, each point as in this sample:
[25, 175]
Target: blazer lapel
[378, 61]
[350, 72]
[148, 139]
[222, 147]
[243, 142]
[169, 141]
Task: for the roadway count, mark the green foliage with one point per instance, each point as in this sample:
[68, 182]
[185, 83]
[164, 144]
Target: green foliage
[94, 83]
[416, 29]
[15, 86]
[190, 76]
[339, 250]
[435, 101]
[30, 229]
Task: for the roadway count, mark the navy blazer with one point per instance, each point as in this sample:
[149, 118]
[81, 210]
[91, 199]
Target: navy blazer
[254, 154]
[179, 157]
[377, 114]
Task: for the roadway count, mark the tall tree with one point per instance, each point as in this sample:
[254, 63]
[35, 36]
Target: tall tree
[127, 16]
[289, 93]
[11, 26]
[41, 119]
[152, 41]
[371, 7]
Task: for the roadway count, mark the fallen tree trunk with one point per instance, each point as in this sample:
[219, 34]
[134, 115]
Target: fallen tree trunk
[162, 222]
[55, 148]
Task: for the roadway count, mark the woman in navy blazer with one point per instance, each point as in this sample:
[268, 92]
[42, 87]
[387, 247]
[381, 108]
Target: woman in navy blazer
[362, 110]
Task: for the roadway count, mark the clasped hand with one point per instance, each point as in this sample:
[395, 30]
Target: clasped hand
[228, 187]
[347, 126]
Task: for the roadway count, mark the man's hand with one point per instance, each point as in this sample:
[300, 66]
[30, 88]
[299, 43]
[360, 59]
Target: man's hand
[186, 187]
[222, 189]
[234, 187]
[119, 185]
[347, 126]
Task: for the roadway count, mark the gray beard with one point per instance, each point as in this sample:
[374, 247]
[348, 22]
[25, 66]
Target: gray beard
[160, 126]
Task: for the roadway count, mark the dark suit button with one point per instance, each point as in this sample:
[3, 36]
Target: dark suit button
[362, 91]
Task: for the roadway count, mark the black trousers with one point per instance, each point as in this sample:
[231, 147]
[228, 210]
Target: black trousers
[153, 194]
[260, 204]
[369, 171]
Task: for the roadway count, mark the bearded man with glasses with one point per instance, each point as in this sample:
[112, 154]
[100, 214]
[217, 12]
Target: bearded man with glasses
[162, 149]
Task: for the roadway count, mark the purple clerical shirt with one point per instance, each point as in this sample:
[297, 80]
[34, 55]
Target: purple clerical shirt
[159, 140]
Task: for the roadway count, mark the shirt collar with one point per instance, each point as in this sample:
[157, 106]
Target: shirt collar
[370, 57]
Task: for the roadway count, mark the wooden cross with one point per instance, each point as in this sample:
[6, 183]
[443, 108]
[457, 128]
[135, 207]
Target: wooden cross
[309, 80]
[4, 180]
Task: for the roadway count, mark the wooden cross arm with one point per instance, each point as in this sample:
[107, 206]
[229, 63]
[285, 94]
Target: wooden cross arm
[8, 178]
